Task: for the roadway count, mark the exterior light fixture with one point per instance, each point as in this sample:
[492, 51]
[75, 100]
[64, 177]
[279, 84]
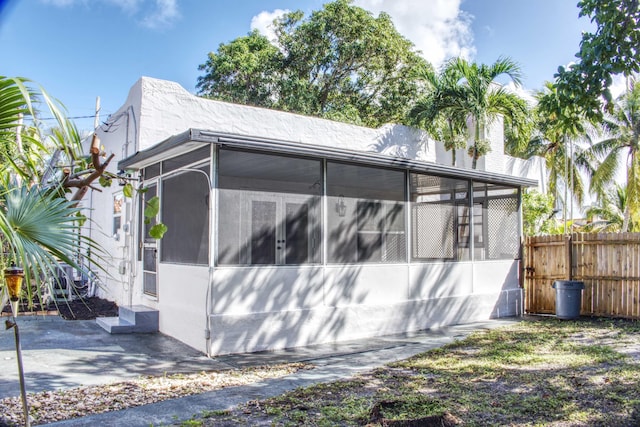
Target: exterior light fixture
[13, 276]
[341, 207]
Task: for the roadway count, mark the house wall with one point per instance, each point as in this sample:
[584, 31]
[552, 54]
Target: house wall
[255, 308]
[265, 308]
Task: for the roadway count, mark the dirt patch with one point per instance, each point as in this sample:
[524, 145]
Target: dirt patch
[377, 416]
[86, 308]
[78, 309]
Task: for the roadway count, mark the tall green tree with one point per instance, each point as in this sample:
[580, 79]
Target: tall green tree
[555, 139]
[463, 91]
[243, 71]
[483, 99]
[622, 149]
[612, 49]
[339, 63]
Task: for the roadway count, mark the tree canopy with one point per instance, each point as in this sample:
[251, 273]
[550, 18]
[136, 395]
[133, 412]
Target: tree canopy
[611, 50]
[340, 63]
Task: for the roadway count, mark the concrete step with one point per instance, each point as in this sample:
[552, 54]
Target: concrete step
[131, 319]
[115, 325]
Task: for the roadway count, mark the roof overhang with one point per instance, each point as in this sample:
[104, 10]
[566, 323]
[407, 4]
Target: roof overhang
[196, 138]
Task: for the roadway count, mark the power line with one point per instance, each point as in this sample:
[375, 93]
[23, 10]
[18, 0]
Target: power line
[72, 118]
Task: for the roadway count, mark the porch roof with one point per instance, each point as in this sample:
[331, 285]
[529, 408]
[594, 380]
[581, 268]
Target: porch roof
[192, 139]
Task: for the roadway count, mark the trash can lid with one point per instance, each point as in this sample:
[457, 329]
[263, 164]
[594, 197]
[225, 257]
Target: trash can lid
[568, 284]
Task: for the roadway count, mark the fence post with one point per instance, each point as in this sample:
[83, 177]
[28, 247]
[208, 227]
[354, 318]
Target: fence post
[569, 245]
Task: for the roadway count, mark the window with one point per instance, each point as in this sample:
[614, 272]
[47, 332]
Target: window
[269, 209]
[185, 212]
[366, 216]
[118, 206]
[498, 237]
[439, 218]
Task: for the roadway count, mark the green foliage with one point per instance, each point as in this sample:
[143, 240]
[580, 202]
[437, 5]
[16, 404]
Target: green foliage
[555, 128]
[611, 50]
[537, 210]
[39, 229]
[339, 63]
[158, 230]
[152, 208]
[622, 142]
[464, 90]
[608, 215]
[105, 181]
[128, 190]
[438, 113]
[151, 211]
[483, 99]
[242, 71]
[38, 225]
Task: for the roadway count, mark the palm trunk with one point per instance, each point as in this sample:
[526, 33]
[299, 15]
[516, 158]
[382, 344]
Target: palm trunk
[453, 146]
[631, 193]
[474, 162]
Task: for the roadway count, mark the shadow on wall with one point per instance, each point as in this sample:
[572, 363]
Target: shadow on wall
[414, 143]
[262, 304]
[267, 304]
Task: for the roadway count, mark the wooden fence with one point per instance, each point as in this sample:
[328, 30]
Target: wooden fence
[607, 263]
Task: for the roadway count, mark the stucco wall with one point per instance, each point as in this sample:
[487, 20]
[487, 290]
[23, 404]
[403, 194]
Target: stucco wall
[300, 306]
[256, 308]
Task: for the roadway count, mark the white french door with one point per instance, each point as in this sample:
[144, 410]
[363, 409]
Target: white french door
[280, 229]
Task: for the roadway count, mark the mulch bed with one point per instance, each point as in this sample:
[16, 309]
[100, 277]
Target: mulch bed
[78, 309]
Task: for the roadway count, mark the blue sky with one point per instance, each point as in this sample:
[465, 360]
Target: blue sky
[80, 49]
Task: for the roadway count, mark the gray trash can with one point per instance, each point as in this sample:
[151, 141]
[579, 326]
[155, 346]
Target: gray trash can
[568, 298]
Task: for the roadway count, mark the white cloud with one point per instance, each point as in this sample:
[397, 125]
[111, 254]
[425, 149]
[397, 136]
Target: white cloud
[129, 6]
[165, 13]
[263, 22]
[618, 86]
[523, 93]
[153, 14]
[439, 28]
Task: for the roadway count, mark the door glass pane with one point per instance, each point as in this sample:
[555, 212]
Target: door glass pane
[263, 232]
[296, 233]
[149, 266]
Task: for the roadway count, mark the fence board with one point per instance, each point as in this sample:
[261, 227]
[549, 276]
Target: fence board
[607, 263]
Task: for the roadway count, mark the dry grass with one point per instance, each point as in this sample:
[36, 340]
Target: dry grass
[536, 373]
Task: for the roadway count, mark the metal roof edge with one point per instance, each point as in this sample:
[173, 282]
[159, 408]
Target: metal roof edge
[172, 145]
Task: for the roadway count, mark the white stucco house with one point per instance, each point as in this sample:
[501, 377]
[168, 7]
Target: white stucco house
[286, 230]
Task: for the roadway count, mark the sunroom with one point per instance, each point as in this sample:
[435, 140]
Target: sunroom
[293, 244]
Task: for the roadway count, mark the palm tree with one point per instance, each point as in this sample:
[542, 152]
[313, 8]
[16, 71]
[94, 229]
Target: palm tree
[38, 226]
[482, 99]
[609, 214]
[437, 113]
[464, 90]
[556, 140]
[623, 128]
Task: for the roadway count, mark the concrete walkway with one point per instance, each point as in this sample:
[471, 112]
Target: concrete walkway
[60, 354]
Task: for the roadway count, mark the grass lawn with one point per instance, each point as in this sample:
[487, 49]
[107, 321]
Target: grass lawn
[540, 372]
